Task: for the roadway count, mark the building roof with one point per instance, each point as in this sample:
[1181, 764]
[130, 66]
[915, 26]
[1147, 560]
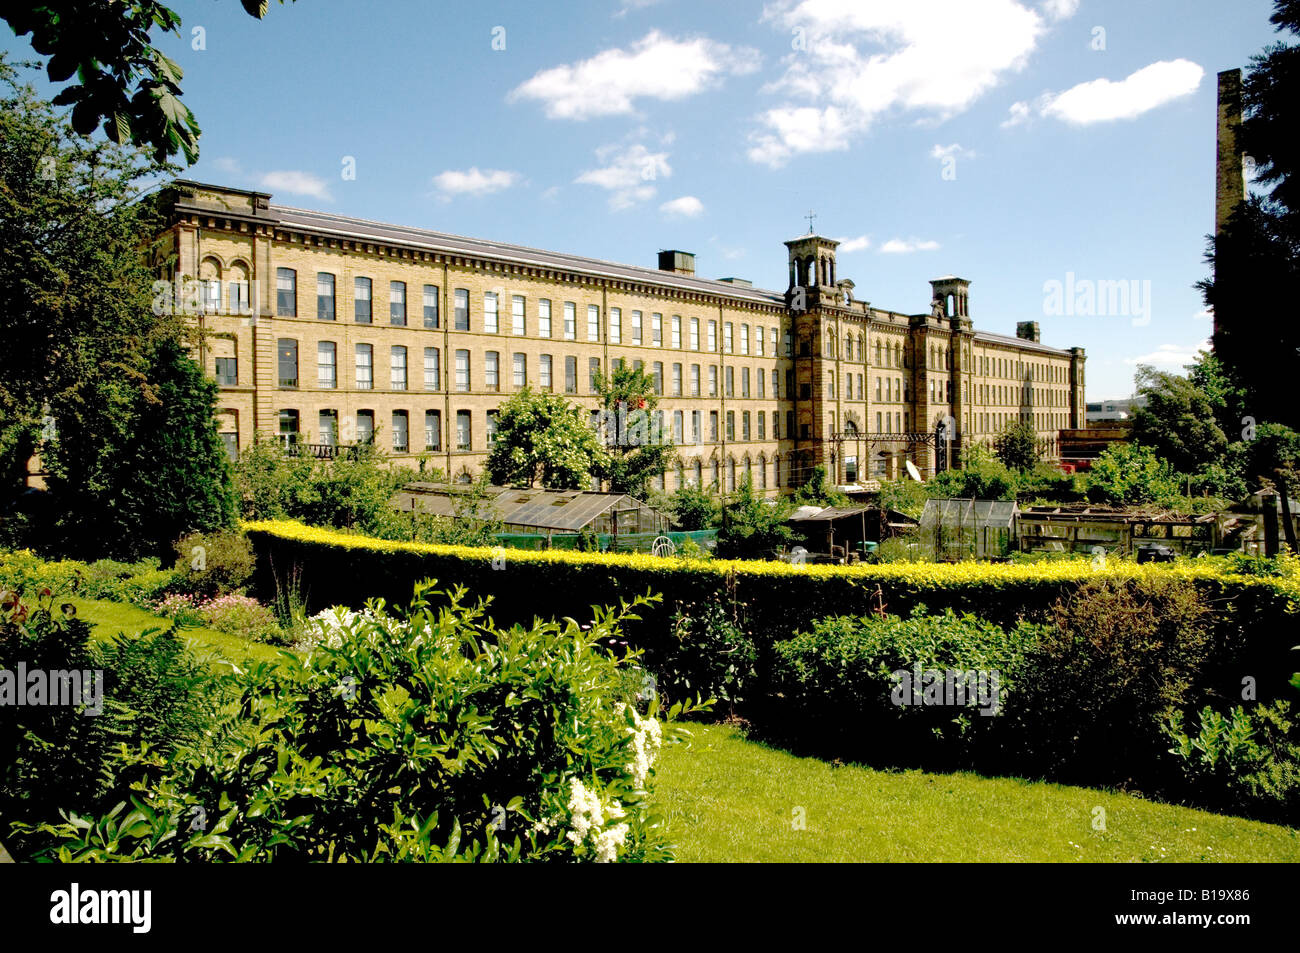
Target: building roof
[366, 230]
[361, 229]
[832, 513]
[1023, 343]
[565, 510]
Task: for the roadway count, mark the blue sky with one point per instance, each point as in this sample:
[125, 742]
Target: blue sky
[1012, 142]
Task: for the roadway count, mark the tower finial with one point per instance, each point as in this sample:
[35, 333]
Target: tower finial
[810, 216]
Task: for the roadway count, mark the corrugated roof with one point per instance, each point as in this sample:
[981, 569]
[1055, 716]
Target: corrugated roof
[567, 510]
[831, 513]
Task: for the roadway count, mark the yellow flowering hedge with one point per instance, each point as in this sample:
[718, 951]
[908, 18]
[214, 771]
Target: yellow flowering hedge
[775, 598]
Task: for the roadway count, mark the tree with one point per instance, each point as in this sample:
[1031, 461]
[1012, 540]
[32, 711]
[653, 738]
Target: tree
[1273, 459]
[637, 449]
[74, 288]
[166, 476]
[542, 438]
[123, 80]
[818, 491]
[753, 528]
[981, 476]
[1179, 421]
[352, 491]
[89, 376]
[1018, 446]
[1128, 474]
[694, 508]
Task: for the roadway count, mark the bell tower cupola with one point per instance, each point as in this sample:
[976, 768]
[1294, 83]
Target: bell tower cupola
[812, 262]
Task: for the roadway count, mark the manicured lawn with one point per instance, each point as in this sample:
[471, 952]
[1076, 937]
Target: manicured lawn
[109, 618]
[728, 799]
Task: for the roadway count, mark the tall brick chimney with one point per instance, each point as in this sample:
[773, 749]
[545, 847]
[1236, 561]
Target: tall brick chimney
[1230, 177]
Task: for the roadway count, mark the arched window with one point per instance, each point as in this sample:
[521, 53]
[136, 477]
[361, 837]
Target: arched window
[862, 351]
[716, 474]
[898, 350]
[698, 472]
[237, 299]
[848, 347]
[762, 472]
[731, 475]
[776, 469]
[210, 285]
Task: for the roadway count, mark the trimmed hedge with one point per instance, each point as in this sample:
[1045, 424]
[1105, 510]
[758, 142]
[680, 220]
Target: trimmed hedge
[1255, 616]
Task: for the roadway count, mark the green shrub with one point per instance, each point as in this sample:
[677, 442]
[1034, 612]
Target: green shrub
[1095, 688]
[709, 654]
[154, 692]
[214, 564]
[850, 680]
[1242, 762]
[146, 589]
[430, 735]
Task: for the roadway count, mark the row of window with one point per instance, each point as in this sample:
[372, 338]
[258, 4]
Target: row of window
[286, 299]
[682, 380]
[751, 427]
[735, 338]
[888, 390]
[642, 328]
[687, 427]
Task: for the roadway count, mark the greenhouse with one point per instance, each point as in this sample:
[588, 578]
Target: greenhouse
[967, 529]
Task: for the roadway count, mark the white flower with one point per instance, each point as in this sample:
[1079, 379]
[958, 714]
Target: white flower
[585, 814]
[608, 843]
[647, 738]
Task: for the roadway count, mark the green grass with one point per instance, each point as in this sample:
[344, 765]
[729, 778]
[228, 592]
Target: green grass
[108, 618]
[727, 799]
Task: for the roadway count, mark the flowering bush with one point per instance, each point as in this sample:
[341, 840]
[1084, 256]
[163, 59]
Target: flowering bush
[182, 608]
[429, 734]
[242, 616]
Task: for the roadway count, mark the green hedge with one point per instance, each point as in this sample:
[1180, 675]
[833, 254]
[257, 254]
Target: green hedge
[1255, 615]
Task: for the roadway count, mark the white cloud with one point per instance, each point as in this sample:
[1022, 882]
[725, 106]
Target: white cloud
[849, 245]
[1170, 355]
[1104, 101]
[630, 5]
[955, 151]
[858, 60]
[1060, 9]
[1017, 114]
[227, 165]
[688, 206]
[296, 183]
[550, 193]
[627, 174]
[656, 67]
[1205, 315]
[474, 181]
[905, 246]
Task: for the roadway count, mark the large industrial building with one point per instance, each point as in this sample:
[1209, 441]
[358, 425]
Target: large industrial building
[329, 330]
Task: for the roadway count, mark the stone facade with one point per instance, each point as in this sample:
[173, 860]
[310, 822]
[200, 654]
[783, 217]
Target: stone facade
[336, 328]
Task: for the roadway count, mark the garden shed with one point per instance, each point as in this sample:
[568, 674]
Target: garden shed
[967, 529]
